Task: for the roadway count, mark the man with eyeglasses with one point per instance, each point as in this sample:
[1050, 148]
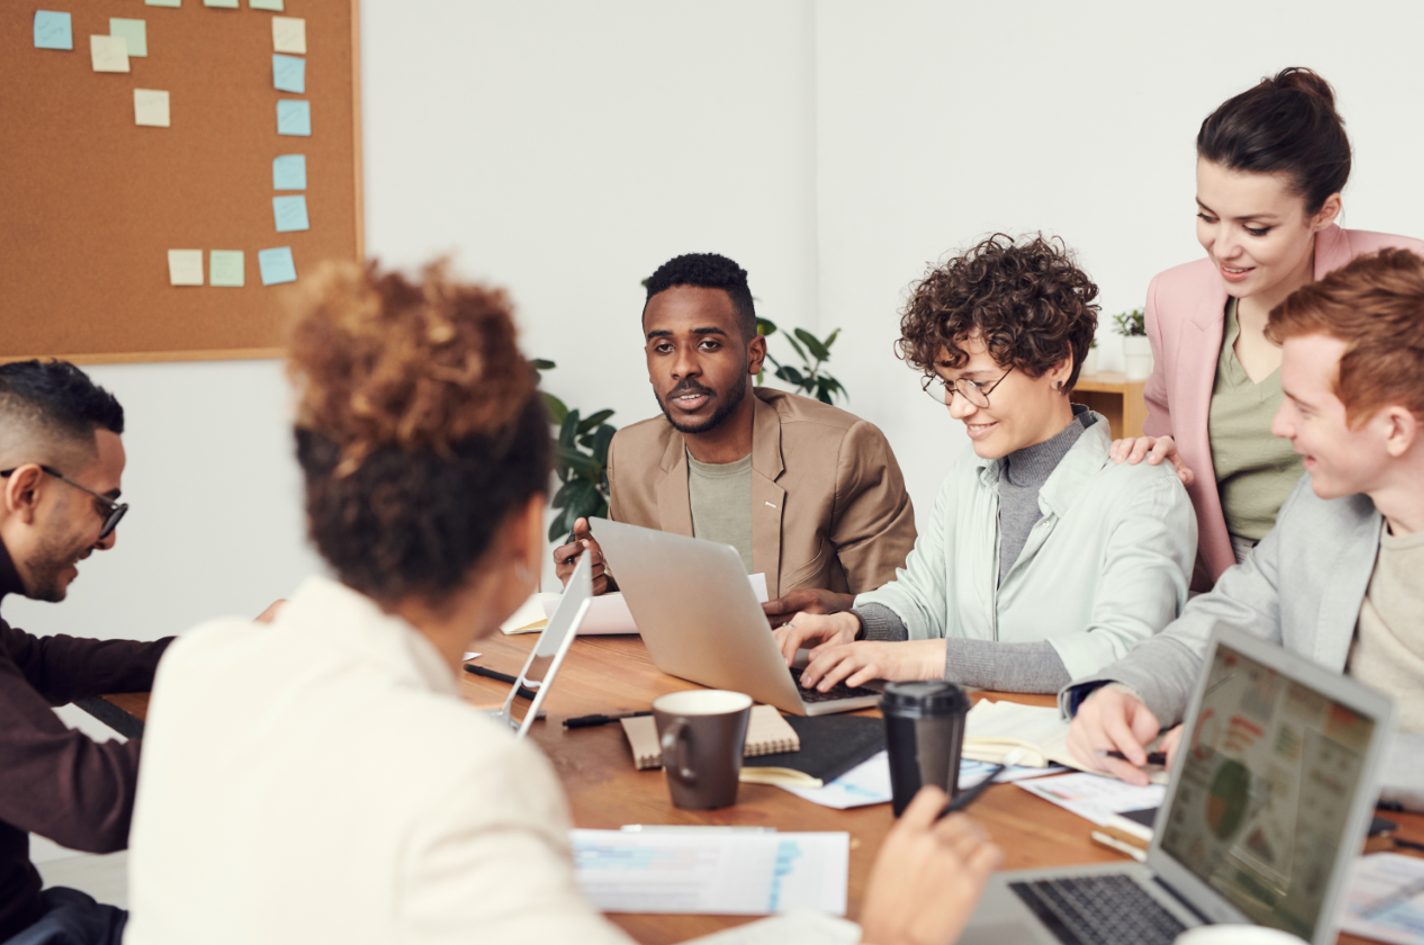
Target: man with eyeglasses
[61, 460]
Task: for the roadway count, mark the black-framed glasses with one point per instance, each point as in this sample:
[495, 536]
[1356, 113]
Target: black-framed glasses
[977, 394]
[110, 511]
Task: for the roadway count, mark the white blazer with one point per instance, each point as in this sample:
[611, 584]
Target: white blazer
[320, 780]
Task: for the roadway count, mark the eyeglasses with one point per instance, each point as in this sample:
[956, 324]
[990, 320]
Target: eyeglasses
[110, 511]
[977, 394]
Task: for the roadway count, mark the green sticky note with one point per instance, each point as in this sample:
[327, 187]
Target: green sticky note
[275, 5]
[225, 267]
[175, 4]
[221, 4]
[133, 32]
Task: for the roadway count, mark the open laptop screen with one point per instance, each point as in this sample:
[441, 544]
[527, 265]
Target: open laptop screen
[1269, 777]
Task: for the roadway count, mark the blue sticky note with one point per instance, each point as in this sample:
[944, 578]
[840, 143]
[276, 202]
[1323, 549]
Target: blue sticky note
[53, 30]
[289, 73]
[276, 265]
[294, 117]
[289, 172]
[290, 213]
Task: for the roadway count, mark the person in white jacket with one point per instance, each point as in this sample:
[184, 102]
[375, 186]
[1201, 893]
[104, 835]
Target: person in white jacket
[320, 780]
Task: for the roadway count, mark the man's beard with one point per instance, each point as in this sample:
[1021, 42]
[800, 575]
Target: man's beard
[723, 411]
[45, 566]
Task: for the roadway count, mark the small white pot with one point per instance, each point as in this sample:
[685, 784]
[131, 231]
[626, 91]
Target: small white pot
[1137, 357]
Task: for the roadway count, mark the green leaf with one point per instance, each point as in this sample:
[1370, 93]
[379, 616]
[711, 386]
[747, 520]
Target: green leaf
[813, 344]
[765, 327]
[543, 364]
[584, 466]
[569, 429]
[831, 339]
[800, 351]
[599, 447]
[554, 407]
[593, 420]
[790, 375]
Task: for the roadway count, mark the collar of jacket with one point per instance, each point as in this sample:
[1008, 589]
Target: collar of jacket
[1070, 478]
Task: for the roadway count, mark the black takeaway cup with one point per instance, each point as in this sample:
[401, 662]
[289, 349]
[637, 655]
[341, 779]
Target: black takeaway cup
[924, 734]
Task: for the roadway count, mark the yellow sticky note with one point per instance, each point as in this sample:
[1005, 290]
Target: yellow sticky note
[151, 108]
[109, 53]
[185, 267]
[289, 35]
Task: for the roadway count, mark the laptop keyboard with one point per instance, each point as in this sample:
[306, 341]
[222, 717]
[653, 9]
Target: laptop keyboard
[1099, 910]
[838, 691]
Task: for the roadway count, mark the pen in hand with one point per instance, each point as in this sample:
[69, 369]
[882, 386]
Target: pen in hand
[968, 796]
[1153, 757]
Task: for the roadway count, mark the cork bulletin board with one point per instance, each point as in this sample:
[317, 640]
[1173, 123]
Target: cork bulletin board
[95, 190]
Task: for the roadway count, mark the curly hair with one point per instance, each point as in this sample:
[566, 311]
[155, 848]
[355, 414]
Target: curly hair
[708, 271]
[418, 425]
[1029, 302]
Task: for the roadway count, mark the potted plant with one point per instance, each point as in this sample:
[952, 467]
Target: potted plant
[1136, 349]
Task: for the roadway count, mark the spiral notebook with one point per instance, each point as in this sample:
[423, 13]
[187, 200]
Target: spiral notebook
[767, 734]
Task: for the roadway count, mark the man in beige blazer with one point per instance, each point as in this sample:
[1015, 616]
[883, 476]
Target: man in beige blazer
[809, 494]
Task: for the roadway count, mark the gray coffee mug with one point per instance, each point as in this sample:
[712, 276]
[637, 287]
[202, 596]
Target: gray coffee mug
[702, 733]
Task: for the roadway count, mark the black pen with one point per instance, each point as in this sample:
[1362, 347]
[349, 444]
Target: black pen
[966, 797]
[571, 558]
[589, 721]
[1153, 757]
[496, 674]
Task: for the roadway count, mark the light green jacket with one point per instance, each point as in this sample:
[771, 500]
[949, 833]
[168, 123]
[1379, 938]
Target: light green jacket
[1106, 567]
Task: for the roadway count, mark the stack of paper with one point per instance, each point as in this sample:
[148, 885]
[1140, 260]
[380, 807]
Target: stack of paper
[712, 870]
[1040, 733]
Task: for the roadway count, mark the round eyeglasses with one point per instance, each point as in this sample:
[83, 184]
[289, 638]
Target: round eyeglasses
[943, 391]
[110, 511]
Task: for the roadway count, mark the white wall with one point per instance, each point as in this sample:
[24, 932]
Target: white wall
[939, 123]
[564, 150]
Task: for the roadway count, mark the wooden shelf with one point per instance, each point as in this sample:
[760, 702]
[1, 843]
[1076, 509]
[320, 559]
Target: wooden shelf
[1111, 394]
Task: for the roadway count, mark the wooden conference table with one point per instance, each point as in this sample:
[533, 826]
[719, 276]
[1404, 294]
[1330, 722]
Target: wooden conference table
[607, 674]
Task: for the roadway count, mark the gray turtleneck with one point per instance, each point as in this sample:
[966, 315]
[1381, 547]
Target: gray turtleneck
[991, 664]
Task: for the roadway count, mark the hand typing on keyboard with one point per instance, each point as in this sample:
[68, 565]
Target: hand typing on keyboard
[856, 664]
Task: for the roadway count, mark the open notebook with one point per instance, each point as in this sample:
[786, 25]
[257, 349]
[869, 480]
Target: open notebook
[1040, 733]
[767, 734]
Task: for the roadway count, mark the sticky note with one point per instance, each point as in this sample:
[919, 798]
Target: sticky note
[265, 5]
[175, 4]
[185, 267]
[225, 268]
[151, 108]
[276, 265]
[53, 30]
[221, 4]
[289, 73]
[294, 117]
[289, 172]
[134, 33]
[109, 53]
[289, 34]
[290, 214]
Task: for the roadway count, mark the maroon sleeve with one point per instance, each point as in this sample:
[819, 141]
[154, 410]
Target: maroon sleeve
[64, 668]
[58, 782]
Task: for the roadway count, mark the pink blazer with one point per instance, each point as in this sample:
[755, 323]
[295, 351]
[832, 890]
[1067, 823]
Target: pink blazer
[1185, 313]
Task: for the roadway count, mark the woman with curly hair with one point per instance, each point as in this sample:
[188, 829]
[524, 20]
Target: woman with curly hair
[321, 780]
[1042, 561]
[1271, 163]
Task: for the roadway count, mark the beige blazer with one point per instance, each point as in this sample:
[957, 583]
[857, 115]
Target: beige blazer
[829, 503]
[1186, 317]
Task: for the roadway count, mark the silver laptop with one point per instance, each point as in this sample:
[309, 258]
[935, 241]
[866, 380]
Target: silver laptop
[548, 653]
[700, 620]
[1265, 812]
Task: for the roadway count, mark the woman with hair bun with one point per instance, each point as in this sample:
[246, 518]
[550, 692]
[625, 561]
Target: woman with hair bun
[321, 780]
[1271, 165]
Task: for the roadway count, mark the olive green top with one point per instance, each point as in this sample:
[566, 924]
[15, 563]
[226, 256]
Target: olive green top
[721, 498]
[1255, 471]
